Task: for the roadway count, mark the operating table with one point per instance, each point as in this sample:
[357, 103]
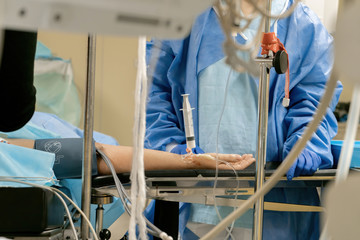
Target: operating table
[197, 186]
[169, 186]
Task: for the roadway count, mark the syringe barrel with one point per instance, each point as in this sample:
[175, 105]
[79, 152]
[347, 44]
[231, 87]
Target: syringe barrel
[188, 122]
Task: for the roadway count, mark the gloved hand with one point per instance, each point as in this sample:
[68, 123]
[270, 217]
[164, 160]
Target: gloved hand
[181, 149]
[306, 164]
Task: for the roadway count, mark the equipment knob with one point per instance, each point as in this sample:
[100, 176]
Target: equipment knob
[280, 62]
[105, 234]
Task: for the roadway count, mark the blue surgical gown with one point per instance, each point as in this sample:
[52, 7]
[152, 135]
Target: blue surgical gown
[310, 55]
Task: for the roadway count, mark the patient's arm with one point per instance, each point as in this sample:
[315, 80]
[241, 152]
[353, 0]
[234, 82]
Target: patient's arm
[121, 157]
[21, 142]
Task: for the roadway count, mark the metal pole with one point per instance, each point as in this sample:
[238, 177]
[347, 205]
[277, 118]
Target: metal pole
[263, 99]
[268, 20]
[99, 218]
[263, 109]
[88, 134]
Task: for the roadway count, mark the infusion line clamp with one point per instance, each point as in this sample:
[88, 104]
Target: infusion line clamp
[188, 122]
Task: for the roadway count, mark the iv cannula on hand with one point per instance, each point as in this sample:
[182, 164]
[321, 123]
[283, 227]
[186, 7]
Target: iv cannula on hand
[188, 122]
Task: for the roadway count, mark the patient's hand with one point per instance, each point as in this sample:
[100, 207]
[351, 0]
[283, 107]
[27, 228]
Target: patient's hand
[225, 161]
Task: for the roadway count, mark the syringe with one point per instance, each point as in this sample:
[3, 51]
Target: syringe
[188, 122]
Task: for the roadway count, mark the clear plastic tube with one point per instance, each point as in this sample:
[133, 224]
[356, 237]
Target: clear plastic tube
[229, 230]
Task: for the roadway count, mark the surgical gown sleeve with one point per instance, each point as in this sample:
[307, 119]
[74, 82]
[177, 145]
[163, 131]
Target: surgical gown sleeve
[310, 73]
[161, 115]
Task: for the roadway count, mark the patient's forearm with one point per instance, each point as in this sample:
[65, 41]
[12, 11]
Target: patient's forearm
[121, 157]
[21, 142]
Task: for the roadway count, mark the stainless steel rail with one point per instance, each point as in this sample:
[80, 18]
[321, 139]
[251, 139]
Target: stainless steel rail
[88, 134]
[263, 109]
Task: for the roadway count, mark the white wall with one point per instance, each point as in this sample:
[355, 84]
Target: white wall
[114, 78]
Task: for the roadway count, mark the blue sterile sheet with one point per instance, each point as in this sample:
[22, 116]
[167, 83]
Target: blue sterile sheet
[336, 146]
[45, 126]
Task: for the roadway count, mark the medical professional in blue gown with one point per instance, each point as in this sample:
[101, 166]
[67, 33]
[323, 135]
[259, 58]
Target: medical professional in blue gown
[195, 65]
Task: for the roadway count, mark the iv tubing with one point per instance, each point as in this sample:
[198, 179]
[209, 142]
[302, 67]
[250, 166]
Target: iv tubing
[286, 164]
[229, 230]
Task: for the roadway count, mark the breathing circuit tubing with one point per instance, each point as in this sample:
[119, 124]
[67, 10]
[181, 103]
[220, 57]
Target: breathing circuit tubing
[286, 164]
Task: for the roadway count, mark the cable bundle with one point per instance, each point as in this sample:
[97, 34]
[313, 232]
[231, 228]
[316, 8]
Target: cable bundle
[137, 177]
